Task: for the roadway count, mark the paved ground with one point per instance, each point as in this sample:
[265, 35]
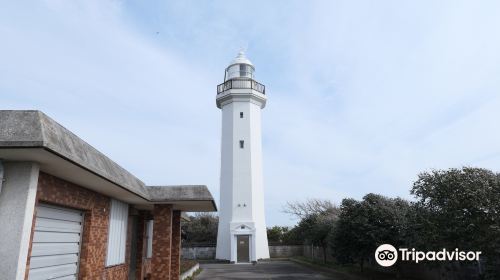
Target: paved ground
[263, 270]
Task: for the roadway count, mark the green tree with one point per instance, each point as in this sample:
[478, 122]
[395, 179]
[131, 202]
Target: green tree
[201, 228]
[315, 229]
[364, 225]
[320, 227]
[294, 236]
[347, 239]
[317, 219]
[276, 234]
[460, 208]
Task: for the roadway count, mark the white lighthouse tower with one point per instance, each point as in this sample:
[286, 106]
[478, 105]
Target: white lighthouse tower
[242, 235]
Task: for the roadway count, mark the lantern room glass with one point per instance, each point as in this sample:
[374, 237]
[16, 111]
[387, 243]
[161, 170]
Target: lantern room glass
[239, 71]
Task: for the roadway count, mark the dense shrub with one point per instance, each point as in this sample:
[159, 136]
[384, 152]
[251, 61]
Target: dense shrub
[459, 208]
[201, 228]
[364, 225]
[455, 208]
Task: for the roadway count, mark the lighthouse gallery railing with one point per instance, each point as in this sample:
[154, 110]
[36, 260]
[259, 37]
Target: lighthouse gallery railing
[241, 83]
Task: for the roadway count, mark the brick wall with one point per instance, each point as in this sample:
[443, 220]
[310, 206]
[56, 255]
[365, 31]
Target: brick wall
[165, 262]
[95, 230]
[175, 261]
[162, 242]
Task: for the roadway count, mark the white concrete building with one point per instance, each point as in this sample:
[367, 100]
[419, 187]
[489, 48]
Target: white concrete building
[242, 235]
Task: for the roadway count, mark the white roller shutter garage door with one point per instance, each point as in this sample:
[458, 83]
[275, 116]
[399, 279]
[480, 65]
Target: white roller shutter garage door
[55, 250]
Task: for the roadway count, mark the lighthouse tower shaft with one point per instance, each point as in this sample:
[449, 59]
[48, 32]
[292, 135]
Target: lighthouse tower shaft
[242, 235]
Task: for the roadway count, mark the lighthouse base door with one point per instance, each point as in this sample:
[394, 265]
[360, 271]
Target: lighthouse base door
[243, 248]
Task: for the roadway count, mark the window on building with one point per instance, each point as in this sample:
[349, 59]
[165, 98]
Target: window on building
[117, 234]
[241, 115]
[149, 236]
[242, 144]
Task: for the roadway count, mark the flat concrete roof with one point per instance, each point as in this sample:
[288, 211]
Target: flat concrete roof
[175, 194]
[184, 192]
[33, 136]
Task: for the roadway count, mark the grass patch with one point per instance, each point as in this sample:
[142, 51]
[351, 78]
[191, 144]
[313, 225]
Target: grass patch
[187, 264]
[193, 277]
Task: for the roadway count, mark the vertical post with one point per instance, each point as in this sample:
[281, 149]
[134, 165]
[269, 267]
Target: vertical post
[175, 264]
[1, 175]
[141, 246]
[162, 242]
[17, 205]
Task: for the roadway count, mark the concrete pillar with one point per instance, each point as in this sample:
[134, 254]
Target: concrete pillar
[162, 242]
[17, 205]
[175, 263]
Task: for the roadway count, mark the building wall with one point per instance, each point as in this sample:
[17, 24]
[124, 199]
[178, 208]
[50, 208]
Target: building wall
[241, 185]
[162, 242]
[226, 183]
[17, 202]
[95, 229]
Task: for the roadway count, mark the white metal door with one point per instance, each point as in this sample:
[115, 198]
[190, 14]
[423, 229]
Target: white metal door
[55, 250]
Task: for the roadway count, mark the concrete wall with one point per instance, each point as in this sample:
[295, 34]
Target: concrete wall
[208, 252]
[285, 251]
[198, 253]
[275, 251]
[17, 205]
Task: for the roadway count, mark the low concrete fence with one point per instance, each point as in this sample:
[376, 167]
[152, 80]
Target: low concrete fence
[198, 252]
[207, 251]
[285, 251]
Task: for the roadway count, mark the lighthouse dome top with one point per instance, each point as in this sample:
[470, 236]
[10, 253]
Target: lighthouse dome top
[241, 59]
[240, 67]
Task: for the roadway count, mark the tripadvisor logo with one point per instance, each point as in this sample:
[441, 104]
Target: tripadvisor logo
[387, 255]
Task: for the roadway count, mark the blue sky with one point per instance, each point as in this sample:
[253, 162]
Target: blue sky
[362, 95]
